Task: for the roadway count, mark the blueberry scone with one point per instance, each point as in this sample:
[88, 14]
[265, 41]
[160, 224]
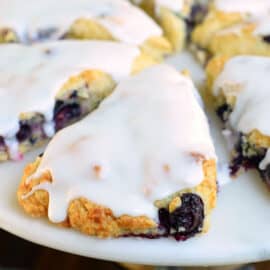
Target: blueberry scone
[81, 19]
[240, 87]
[142, 164]
[48, 86]
[176, 17]
[234, 27]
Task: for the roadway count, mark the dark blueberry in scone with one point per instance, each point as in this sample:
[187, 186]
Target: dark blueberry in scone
[2, 144]
[31, 130]
[246, 156]
[65, 113]
[238, 158]
[24, 132]
[223, 112]
[236, 164]
[186, 220]
[164, 219]
[266, 39]
[197, 14]
[44, 34]
[74, 94]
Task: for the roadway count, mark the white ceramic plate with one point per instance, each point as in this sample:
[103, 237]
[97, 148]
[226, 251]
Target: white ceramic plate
[239, 231]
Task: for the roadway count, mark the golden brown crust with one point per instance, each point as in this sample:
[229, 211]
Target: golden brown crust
[214, 68]
[230, 34]
[174, 29]
[214, 22]
[143, 61]
[172, 24]
[157, 48]
[241, 43]
[7, 36]
[257, 138]
[86, 29]
[93, 219]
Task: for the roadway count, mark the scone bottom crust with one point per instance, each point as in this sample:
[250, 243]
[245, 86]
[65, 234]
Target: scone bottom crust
[182, 218]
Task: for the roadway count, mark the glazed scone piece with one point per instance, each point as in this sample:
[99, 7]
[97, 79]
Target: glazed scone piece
[142, 164]
[116, 20]
[234, 27]
[240, 87]
[176, 17]
[47, 86]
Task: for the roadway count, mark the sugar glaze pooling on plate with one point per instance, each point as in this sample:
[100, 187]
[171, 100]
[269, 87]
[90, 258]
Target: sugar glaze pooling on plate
[252, 107]
[139, 143]
[125, 22]
[31, 76]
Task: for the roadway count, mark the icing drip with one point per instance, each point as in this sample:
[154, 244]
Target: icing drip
[50, 19]
[31, 76]
[247, 78]
[146, 141]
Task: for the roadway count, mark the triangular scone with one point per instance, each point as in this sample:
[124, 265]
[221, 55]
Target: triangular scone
[116, 20]
[142, 164]
[234, 27]
[240, 87]
[47, 86]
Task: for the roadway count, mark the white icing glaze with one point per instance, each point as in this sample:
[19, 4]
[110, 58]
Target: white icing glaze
[263, 26]
[251, 7]
[248, 79]
[49, 128]
[31, 76]
[250, 76]
[266, 161]
[173, 5]
[224, 177]
[123, 20]
[13, 149]
[135, 148]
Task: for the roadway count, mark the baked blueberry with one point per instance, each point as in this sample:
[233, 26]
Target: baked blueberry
[24, 132]
[2, 144]
[266, 38]
[186, 220]
[223, 112]
[65, 113]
